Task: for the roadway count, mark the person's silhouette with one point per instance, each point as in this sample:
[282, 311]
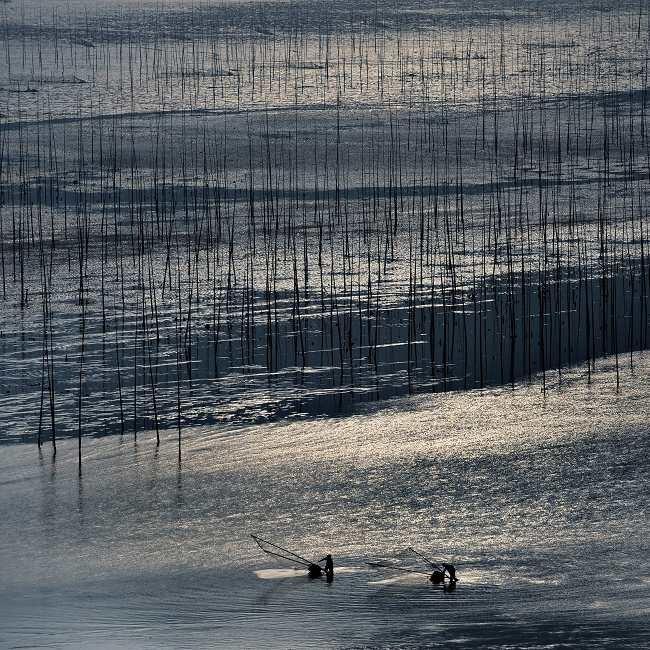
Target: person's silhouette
[329, 567]
[450, 570]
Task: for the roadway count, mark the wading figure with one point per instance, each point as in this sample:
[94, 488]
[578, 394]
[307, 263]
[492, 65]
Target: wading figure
[329, 567]
[316, 570]
[450, 570]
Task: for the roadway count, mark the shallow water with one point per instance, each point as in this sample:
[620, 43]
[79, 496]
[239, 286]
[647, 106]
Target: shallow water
[540, 503]
[200, 223]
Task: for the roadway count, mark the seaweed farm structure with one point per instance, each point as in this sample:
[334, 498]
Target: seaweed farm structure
[233, 213]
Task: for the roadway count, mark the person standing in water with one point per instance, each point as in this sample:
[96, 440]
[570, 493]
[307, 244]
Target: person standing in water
[316, 570]
[329, 567]
[450, 570]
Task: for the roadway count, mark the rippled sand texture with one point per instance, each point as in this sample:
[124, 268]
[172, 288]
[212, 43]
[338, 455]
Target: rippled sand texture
[237, 213]
[540, 502]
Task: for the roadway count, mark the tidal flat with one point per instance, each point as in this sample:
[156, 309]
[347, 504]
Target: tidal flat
[357, 278]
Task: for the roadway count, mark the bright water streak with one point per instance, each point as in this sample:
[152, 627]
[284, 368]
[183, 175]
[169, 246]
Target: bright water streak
[540, 503]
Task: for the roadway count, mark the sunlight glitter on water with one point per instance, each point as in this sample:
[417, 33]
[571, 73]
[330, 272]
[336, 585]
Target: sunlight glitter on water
[455, 199]
[535, 500]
